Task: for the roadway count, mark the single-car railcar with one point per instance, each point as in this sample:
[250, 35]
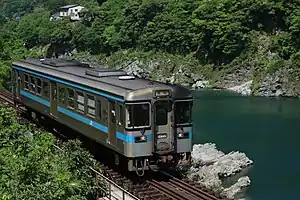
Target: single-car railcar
[145, 122]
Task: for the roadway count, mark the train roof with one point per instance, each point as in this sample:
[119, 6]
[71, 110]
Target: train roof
[111, 80]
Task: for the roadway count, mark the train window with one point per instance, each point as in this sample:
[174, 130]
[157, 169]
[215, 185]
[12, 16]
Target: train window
[99, 114]
[183, 112]
[53, 90]
[162, 110]
[62, 95]
[161, 115]
[121, 115]
[105, 115]
[46, 89]
[32, 84]
[80, 101]
[18, 78]
[139, 115]
[38, 86]
[71, 100]
[26, 81]
[112, 111]
[91, 106]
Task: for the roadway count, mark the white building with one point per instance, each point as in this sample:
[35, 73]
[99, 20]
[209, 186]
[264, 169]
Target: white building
[70, 10]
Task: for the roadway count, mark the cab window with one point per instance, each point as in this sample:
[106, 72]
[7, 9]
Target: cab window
[183, 112]
[138, 115]
[162, 110]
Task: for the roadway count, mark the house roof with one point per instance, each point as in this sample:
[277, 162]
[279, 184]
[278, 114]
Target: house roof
[68, 6]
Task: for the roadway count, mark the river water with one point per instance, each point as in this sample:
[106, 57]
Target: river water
[267, 130]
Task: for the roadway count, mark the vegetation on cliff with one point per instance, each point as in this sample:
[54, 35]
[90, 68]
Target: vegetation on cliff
[218, 36]
[32, 168]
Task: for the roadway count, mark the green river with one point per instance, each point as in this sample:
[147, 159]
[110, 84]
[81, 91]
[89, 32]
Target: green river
[266, 129]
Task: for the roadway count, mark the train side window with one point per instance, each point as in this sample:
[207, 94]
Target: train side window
[62, 95]
[99, 114]
[121, 115]
[105, 116]
[71, 100]
[46, 89]
[80, 102]
[32, 84]
[91, 111]
[38, 86]
[26, 81]
[19, 79]
[113, 111]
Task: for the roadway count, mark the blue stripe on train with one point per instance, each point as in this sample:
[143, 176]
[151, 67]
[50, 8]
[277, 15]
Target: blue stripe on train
[70, 84]
[121, 136]
[33, 97]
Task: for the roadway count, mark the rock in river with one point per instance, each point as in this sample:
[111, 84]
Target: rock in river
[210, 166]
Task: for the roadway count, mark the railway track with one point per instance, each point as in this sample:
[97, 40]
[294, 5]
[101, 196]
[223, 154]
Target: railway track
[163, 186]
[156, 185]
[6, 97]
[186, 189]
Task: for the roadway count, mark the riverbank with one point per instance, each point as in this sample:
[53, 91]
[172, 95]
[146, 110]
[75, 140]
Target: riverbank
[211, 167]
[187, 71]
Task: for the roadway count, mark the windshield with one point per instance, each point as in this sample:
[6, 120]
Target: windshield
[183, 112]
[138, 115]
[162, 110]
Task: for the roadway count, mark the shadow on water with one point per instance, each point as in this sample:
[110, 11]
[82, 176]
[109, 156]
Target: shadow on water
[266, 129]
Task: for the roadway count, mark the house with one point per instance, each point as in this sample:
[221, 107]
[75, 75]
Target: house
[55, 17]
[71, 11]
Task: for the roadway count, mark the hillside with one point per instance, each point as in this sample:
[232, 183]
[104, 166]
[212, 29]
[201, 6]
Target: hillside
[214, 43]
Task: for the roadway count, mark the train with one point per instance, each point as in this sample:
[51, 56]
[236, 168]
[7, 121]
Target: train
[146, 123]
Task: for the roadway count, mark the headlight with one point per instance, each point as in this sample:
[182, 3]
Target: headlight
[141, 139]
[182, 135]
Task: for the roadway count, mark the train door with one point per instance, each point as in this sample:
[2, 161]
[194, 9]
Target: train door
[53, 98]
[13, 82]
[112, 122]
[163, 132]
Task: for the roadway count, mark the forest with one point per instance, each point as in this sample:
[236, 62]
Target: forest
[215, 35]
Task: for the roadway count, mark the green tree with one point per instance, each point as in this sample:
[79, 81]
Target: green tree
[171, 29]
[32, 168]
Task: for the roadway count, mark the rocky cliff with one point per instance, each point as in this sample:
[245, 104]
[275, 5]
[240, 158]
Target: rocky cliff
[184, 71]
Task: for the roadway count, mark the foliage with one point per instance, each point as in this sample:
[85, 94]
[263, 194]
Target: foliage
[221, 33]
[32, 168]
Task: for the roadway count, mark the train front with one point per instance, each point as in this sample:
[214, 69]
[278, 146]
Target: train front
[160, 119]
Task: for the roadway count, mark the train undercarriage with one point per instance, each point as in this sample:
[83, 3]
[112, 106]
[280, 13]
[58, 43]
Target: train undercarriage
[157, 162]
